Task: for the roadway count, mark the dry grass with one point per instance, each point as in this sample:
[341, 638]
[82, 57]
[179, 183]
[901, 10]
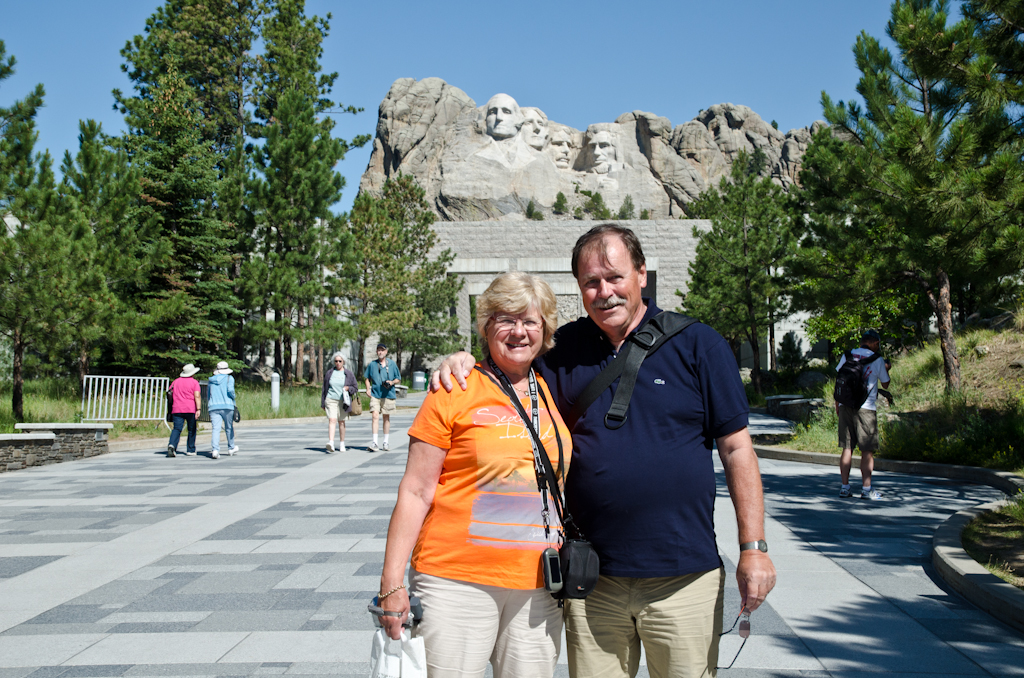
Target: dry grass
[996, 540]
[982, 425]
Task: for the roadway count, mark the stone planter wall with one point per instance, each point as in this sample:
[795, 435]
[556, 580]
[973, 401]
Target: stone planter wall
[51, 444]
[21, 450]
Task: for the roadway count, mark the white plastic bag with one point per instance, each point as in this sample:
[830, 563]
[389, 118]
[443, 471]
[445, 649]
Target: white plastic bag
[403, 658]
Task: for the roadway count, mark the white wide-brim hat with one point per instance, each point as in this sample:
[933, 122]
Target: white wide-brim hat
[188, 370]
[222, 368]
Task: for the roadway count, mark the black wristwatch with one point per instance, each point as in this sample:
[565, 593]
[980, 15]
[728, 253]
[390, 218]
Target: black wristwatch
[761, 545]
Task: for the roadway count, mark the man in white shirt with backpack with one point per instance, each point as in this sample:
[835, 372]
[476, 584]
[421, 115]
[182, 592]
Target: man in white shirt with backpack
[856, 394]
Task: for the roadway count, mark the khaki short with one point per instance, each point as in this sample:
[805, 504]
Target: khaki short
[334, 409]
[858, 428]
[467, 626]
[387, 407]
[677, 620]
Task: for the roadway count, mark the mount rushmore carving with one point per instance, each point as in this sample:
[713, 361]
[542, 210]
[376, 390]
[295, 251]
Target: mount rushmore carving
[490, 162]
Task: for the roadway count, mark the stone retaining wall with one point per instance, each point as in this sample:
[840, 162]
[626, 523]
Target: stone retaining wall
[21, 450]
[51, 444]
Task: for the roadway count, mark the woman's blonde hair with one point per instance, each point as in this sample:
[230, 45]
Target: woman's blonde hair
[513, 293]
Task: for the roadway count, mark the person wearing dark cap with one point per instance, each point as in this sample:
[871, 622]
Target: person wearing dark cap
[859, 427]
[381, 378]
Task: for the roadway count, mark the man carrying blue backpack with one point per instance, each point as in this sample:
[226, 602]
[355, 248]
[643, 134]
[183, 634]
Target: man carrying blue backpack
[860, 373]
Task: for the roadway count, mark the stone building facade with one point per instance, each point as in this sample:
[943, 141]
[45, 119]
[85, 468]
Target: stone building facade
[486, 248]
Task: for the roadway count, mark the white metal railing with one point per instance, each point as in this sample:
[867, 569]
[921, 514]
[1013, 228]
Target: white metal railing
[124, 398]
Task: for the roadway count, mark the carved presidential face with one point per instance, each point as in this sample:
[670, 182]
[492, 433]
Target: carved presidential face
[602, 146]
[503, 117]
[535, 128]
[561, 149]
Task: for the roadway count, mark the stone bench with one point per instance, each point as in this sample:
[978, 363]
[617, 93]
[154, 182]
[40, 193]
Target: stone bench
[774, 403]
[52, 443]
[800, 409]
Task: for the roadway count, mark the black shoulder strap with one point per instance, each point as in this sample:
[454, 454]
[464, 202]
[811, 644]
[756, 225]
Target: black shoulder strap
[645, 341]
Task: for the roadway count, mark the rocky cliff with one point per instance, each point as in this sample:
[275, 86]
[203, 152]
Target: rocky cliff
[490, 162]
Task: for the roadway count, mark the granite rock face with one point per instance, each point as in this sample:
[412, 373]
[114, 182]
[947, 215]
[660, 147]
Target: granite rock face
[489, 162]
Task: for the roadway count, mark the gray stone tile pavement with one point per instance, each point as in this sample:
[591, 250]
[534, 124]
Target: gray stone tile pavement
[262, 564]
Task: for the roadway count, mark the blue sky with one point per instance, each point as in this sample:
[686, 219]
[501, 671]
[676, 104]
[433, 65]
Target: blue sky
[580, 63]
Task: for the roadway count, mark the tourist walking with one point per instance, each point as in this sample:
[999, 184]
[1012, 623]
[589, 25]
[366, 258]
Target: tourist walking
[221, 405]
[381, 378]
[861, 370]
[336, 398]
[185, 405]
[469, 506]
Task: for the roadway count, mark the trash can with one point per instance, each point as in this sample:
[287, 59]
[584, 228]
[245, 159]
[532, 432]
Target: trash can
[419, 381]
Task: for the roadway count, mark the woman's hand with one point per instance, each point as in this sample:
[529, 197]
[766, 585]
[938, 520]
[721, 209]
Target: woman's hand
[396, 602]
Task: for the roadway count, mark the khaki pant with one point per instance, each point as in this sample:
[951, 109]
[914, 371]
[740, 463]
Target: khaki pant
[467, 625]
[385, 406]
[858, 428]
[678, 620]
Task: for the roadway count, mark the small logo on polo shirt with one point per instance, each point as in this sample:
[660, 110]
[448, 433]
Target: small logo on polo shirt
[659, 381]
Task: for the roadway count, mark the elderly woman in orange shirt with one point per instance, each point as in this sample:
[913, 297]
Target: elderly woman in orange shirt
[469, 506]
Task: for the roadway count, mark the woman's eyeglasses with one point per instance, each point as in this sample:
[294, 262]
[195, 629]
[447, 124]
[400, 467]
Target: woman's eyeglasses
[507, 323]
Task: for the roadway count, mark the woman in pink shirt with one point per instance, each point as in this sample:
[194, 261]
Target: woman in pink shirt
[184, 407]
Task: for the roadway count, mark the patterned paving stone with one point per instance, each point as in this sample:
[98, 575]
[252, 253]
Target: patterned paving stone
[239, 585]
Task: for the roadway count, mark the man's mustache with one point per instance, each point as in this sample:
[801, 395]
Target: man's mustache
[610, 302]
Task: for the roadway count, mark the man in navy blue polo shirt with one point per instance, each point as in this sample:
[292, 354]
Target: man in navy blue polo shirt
[644, 493]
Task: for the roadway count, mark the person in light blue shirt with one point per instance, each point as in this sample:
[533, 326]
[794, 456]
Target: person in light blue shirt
[336, 399]
[221, 405]
[381, 378]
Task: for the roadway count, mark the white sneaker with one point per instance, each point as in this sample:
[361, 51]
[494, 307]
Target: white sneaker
[215, 455]
[330, 447]
[386, 447]
[232, 451]
[341, 446]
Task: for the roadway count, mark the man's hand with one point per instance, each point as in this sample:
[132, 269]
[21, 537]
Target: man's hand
[755, 576]
[457, 365]
[755, 573]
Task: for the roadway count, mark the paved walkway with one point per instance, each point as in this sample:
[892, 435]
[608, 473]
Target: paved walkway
[261, 564]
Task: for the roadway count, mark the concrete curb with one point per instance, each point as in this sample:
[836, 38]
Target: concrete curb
[967, 577]
[964, 575]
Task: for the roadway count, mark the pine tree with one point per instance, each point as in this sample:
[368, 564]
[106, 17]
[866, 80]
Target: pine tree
[736, 279]
[48, 274]
[560, 206]
[301, 242]
[927, 183]
[595, 205]
[104, 189]
[210, 44]
[188, 302]
[791, 354]
[626, 210]
[397, 290]
[295, 196]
